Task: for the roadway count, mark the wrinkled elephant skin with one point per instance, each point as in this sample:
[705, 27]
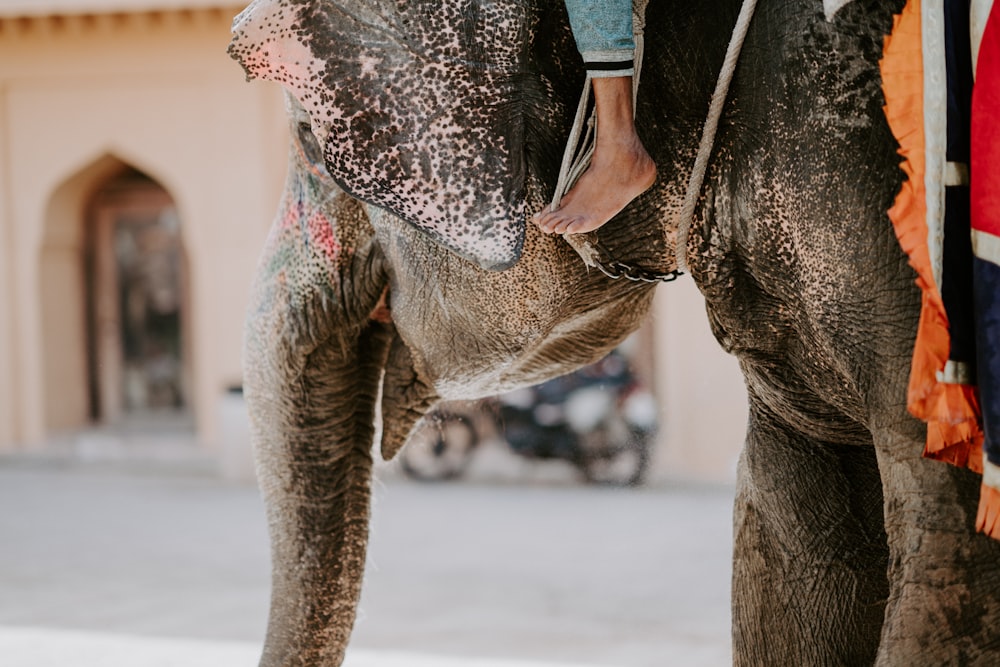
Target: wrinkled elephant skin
[425, 131]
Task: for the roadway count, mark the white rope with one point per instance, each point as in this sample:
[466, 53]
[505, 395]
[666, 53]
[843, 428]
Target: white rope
[708, 134]
[579, 149]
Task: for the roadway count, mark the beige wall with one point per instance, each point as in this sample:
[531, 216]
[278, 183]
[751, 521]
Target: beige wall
[8, 425]
[79, 97]
[702, 396]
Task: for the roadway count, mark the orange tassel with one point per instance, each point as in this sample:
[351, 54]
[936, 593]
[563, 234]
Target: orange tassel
[988, 517]
[960, 446]
[951, 411]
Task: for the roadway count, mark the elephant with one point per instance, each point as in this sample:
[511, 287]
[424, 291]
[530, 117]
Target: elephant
[401, 271]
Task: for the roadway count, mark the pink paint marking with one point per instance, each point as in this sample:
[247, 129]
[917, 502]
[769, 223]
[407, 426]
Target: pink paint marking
[290, 217]
[266, 41]
[321, 234]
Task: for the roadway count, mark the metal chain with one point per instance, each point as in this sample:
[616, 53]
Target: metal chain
[616, 269]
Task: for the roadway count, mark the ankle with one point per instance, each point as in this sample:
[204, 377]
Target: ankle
[621, 148]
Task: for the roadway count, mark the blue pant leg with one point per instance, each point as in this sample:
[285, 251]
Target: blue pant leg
[603, 33]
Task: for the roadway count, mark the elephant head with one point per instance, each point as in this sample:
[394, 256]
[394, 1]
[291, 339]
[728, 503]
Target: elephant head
[427, 110]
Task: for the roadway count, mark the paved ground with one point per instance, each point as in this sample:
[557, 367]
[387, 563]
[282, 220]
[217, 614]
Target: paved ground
[141, 566]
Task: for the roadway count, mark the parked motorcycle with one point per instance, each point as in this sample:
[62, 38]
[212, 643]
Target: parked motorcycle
[600, 419]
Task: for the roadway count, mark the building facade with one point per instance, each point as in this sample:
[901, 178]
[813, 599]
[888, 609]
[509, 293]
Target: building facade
[138, 177]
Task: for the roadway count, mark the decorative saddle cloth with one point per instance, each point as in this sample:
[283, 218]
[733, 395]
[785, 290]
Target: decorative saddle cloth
[941, 78]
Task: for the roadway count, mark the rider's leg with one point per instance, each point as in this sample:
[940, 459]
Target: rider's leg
[620, 169]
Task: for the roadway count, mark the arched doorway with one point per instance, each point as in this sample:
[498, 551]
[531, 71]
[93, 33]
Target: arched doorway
[137, 304]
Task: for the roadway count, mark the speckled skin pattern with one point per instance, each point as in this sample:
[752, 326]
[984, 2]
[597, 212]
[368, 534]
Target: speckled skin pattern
[849, 548]
[434, 105]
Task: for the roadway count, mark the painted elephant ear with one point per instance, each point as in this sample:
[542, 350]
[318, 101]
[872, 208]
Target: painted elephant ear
[414, 105]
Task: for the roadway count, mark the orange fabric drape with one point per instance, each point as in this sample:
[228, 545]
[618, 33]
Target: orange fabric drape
[952, 411]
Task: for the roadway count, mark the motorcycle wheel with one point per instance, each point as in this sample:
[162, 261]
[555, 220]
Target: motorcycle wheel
[610, 461]
[440, 449]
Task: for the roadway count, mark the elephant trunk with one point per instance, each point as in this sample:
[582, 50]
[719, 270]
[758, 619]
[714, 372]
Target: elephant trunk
[313, 447]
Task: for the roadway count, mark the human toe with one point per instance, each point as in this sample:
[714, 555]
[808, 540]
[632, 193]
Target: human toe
[565, 225]
[548, 221]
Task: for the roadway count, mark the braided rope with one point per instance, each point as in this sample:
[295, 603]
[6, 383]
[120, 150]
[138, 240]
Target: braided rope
[711, 127]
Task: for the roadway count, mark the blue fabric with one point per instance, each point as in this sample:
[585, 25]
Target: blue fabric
[958, 61]
[602, 29]
[987, 282]
[956, 282]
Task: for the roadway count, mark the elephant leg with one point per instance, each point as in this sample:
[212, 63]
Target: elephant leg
[944, 600]
[809, 564]
[312, 374]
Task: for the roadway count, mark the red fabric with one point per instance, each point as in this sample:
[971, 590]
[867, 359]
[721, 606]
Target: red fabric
[985, 162]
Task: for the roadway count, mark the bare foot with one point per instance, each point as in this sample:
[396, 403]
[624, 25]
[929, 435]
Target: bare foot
[619, 172]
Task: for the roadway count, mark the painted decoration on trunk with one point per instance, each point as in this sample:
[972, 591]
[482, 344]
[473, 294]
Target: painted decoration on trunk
[941, 77]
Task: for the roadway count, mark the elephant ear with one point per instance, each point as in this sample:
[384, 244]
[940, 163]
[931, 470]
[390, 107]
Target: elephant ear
[413, 104]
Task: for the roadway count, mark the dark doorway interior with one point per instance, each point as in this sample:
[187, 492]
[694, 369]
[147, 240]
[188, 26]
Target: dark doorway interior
[137, 302]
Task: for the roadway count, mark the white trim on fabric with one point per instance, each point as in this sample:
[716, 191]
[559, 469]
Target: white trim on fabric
[955, 372]
[991, 474]
[956, 173]
[986, 246]
[935, 127]
[609, 73]
[979, 12]
[620, 55]
[831, 7]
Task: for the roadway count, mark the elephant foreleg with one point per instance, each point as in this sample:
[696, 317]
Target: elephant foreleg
[809, 565]
[944, 601]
